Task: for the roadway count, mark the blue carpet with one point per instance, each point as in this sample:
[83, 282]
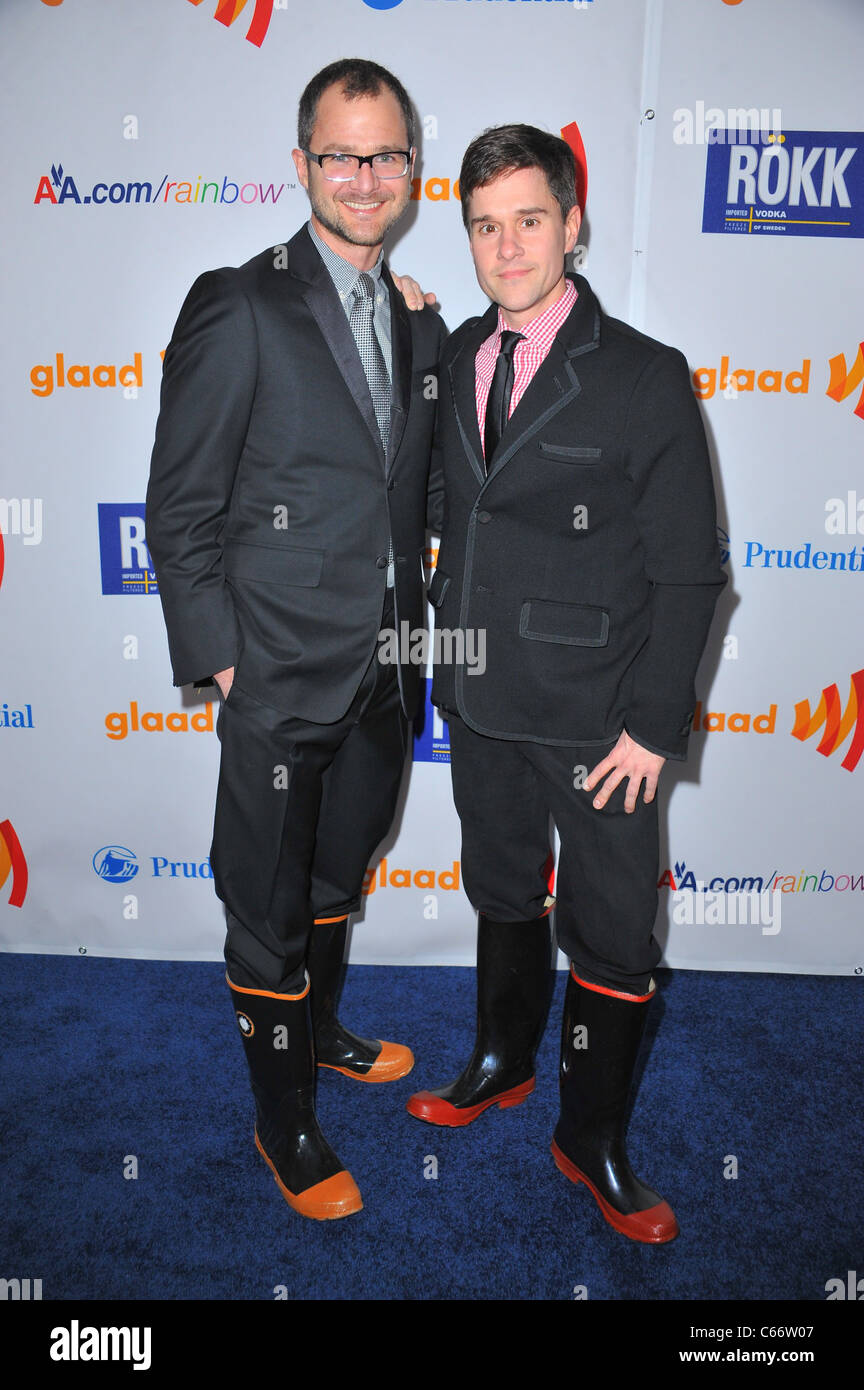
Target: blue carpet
[107, 1059]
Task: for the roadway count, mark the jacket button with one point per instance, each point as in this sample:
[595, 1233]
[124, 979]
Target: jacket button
[483, 517]
[381, 562]
[390, 485]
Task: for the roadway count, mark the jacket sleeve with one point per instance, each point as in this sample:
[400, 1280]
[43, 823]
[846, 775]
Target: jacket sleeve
[670, 472]
[208, 384]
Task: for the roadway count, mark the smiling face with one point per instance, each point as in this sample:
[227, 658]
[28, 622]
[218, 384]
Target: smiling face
[518, 241]
[353, 218]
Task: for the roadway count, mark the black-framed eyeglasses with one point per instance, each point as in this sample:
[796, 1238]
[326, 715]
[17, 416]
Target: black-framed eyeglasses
[342, 168]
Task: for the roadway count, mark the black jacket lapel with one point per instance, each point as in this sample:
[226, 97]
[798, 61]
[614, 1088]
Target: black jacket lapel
[321, 297]
[462, 379]
[555, 383]
[402, 358]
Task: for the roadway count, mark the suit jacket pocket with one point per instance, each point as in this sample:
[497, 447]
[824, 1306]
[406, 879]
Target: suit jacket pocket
[437, 589]
[274, 564]
[570, 455]
[572, 624]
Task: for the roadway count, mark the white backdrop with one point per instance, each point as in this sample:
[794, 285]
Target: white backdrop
[129, 120]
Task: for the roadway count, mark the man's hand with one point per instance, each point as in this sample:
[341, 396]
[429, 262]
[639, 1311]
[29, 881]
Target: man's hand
[412, 293]
[627, 759]
[224, 680]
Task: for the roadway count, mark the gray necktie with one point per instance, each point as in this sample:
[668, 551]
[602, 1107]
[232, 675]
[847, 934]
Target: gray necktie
[363, 327]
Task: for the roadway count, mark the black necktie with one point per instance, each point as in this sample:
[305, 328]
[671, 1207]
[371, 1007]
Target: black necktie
[498, 404]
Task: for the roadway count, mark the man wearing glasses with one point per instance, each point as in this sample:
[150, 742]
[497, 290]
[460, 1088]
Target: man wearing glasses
[286, 517]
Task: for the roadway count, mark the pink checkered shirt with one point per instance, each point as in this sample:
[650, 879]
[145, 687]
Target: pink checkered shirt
[538, 337]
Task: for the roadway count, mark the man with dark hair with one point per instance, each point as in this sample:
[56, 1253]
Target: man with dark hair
[580, 537]
[286, 517]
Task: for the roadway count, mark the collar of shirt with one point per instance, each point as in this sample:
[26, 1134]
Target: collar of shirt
[343, 274]
[538, 337]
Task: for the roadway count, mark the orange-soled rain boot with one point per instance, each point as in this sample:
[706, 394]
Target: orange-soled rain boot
[277, 1036]
[363, 1059]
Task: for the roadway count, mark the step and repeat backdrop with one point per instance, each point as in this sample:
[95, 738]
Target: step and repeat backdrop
[147, 143]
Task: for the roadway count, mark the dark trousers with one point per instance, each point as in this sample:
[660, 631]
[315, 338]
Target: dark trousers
[300, 809]
[606, 890]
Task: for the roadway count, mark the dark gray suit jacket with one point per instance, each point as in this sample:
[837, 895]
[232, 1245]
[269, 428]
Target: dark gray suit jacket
[588, 557]
[270, 501]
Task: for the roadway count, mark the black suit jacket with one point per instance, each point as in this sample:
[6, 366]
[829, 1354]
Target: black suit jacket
[270, 501]
[595, 619]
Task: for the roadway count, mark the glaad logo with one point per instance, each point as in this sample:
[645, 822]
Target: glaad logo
[229, 10]
[118, 723]
[383, 877]
[115, 863]
[837, 722]
[12, 861]
[802, 183]
[125, 559]
[46, 376]
[844, 382]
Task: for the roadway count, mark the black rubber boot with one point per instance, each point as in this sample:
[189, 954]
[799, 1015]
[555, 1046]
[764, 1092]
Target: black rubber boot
[600, 1038]
[277, 1036]
[363, 1059]
[514, 985]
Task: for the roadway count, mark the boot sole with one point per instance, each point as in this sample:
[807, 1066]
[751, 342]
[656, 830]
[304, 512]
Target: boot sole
[335, 1197]
[636, 1226]
[394, 1061]
[450, 1115]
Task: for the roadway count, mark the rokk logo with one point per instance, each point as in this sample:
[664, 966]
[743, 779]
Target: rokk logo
[836, 722]
[229, 10]
[125, 559]
[12, 862]
[802, 182]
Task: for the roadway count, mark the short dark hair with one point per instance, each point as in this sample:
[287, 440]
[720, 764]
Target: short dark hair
[358, 77]
[505, 148]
